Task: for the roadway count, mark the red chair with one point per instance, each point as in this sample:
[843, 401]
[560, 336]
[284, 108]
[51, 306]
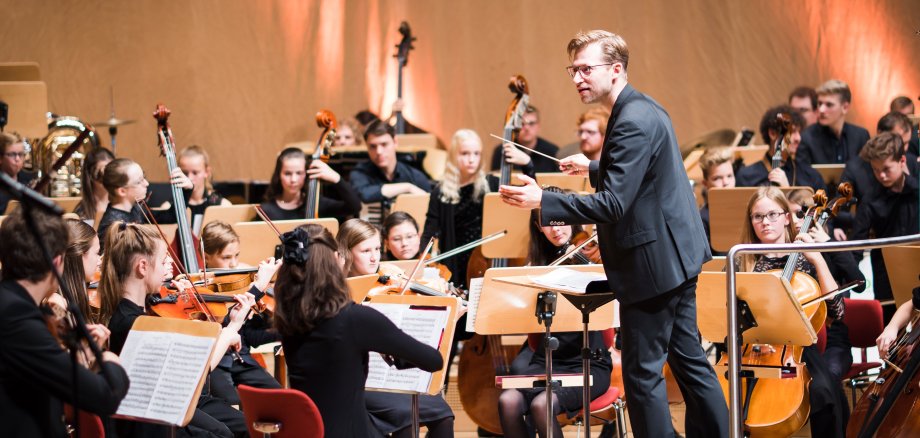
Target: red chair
[864, 322]
[90, 424]
[280, 413]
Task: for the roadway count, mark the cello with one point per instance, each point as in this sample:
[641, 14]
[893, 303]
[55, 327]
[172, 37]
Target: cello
[190, 258]
[484, 357]
[326, 120]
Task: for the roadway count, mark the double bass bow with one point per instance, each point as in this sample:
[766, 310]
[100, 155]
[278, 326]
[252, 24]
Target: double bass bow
[402, 56]
[324, 119]
[189, 257]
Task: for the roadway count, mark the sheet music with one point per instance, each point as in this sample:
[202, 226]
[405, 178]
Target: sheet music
[164, 370]
[567, 279]
[473, 306]
[426, 326]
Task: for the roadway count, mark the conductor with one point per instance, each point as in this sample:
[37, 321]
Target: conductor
[651, 240]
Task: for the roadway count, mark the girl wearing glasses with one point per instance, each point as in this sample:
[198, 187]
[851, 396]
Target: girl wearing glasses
[769, 220]
[12, 158]
[401, 236]
[94, 196]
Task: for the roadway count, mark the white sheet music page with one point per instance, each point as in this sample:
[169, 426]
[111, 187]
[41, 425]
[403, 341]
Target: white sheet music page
[426, 326]
[164, 370]
[473, 304]
[568, 280]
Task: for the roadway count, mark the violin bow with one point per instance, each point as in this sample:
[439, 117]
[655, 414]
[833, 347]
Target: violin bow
[264, 217]
[577, 248]
[419, 264]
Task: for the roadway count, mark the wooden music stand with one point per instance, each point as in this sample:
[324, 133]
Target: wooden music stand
[508, 298]
[498, 216]
[727, 207]
[170, 327]
[717, 264]
[444, 346]
[423, 141]
[779, 317]
[19, 72]
[574, 183]
[903, 274]
[830, 173]
[230, 214]
[258, 240]
[68, 203]
[28, 106]
[359, 286]
[415, 205]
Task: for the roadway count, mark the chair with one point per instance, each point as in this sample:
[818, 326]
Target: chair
[90, 424]
[863, 319]
[280, 413]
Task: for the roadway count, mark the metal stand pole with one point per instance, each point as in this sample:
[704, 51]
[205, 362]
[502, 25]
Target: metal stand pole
[546, 309]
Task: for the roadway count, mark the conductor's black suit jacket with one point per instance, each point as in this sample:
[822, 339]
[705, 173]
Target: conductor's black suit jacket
[650, 233]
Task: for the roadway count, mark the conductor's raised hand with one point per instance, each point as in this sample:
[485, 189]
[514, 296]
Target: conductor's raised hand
[575, 165]
[527, 196]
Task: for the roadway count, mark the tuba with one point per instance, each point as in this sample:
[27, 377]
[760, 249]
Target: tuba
[62, 131]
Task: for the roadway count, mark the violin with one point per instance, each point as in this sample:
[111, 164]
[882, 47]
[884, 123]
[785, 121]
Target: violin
[190, 258]
[575, 250]
[393, 280]
[326, 120]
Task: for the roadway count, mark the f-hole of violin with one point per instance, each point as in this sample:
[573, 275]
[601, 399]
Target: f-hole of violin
[198, 315]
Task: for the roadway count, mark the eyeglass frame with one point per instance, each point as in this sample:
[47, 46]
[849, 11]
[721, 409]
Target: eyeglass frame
[758, 218]
[584, 70]
[20, 155]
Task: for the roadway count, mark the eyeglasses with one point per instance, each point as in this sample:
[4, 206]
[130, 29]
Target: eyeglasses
[772, 216]
[407, 237]
[15, 155]
[585, 70]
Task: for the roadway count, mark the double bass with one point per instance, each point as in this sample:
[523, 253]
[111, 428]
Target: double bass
[187, 243]
[402, 56]
[484, 357]
[326, 120]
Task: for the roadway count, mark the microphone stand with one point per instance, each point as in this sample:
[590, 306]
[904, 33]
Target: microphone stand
[28, 199]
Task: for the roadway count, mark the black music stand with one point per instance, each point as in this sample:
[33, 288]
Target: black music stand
[596, 295]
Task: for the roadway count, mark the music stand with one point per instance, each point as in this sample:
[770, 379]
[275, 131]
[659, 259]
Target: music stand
[903, 274]
[496, 216]
[28, 106]
[769, 314]
[566, 316]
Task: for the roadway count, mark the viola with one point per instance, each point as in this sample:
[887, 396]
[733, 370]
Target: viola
[326, 120]
[484, 357]
[187, 243]
[393, 281]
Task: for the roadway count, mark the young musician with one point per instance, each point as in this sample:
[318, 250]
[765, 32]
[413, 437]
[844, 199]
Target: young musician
[401, 236]
[348, 134]
[12, 159]
[196, 164]
[903, 316]
[651, 239]
[718, 172]
[770, 221]
[523, 161]
[81, 262]
[221, 251]
[36, 375]
[832, 139]
[327, 339]
[455, 208]
[804, 100]
[134, 265]
[791, 171]
[893, 210]
[126, 183]
[383, 177]
[592, 125]
[548, 243]
[94, 196]
[286, 196]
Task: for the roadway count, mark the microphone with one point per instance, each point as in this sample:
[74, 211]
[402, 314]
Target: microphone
[26, 195]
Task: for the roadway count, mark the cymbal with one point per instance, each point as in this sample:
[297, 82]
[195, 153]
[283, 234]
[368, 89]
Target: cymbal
[112, 122]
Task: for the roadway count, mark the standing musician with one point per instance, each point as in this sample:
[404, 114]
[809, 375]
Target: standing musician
[221, 251]
[12, 159]
[94, 198]
[196, 165]
[135, 263]
[401, 236]
[770, 221]
[359, 249]
[287, 192]
[327, 338]
[383, 177]
[126, 183]
[529, 137]
[548, 243]
[36, 375]
[651, 240]
[455, 208]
